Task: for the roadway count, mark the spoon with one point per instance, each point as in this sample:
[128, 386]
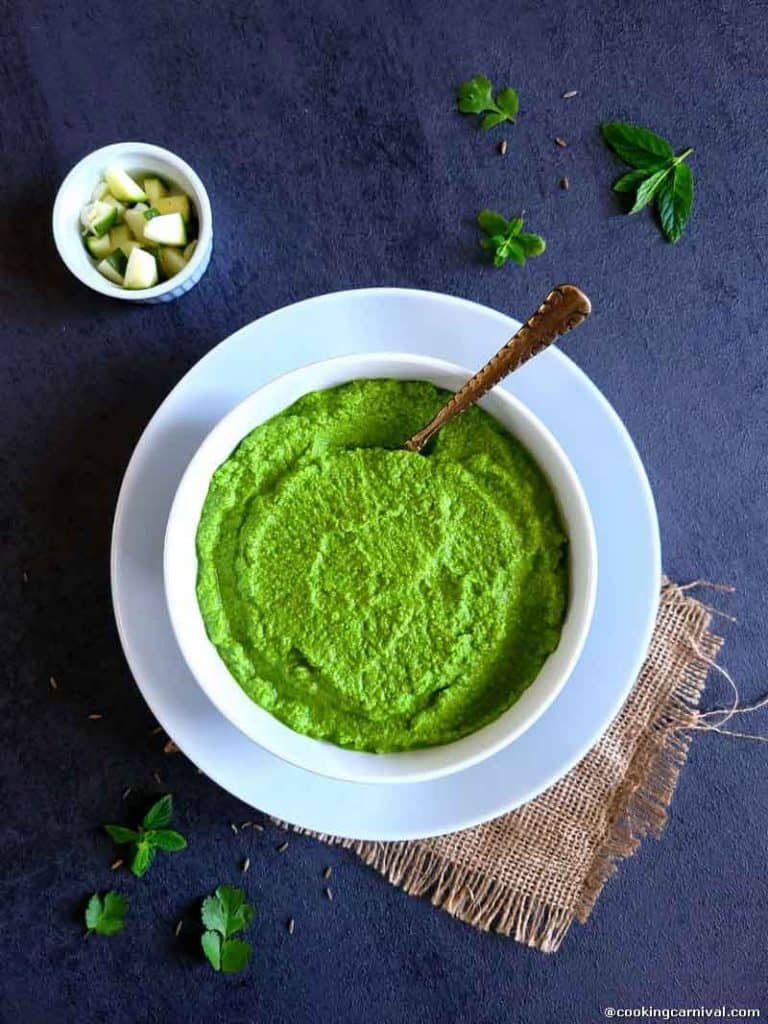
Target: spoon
[563, 309]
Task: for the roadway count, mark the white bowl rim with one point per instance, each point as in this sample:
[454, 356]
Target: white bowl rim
[97, 282]
[376, 771]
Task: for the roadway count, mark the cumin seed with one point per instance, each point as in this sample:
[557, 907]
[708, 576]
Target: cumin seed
[127, 793]
[170, 748]
[156, 731]
[156, 777]
[52, 683]
[570, 94]
[327, 872]
[95, 717]
[561, 142]
[246, 864]
[25, 577]
[291, 926]
[256, 827]
[177, 929]
[565, 184]
[503, 147]
[117, 864]
[234, 828]
[282, 847]
[328, 894]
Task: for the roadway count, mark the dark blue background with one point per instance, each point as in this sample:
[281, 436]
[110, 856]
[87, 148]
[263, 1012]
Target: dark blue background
[326, 135]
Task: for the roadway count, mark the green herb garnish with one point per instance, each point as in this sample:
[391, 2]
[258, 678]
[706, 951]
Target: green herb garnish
[224, 914]
[151, 213]
[150, 836]
[476, 97]
[658, 174]
[506, 239]
[106, 916]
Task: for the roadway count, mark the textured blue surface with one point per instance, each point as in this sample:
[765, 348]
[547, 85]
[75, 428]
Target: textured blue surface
[326, 137]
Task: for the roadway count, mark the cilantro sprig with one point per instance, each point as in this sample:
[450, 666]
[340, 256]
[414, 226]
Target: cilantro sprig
[223, 915]
[506, 239]
[476, 97]
[658, 174]
[106, 916]
[150, 836]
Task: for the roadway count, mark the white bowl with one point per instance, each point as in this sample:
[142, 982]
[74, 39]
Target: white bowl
[180, 570]
[76, 190]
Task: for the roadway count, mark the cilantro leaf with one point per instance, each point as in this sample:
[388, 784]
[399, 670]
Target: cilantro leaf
[659, 175]
[211, 943]
[166, 839]
[160, 813]
[223, 914]
[636, 146]
[107, 916]
[476, 97]
[121, 835]
[506, 240]
[234, 955]
[674, 200]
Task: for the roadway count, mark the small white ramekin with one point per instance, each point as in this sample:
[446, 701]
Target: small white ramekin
[76, 190]
[180, 571]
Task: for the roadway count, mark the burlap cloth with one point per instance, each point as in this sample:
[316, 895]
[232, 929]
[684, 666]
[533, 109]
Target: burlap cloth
[532, 873]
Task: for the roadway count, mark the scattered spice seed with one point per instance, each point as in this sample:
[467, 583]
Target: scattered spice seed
[561, 142]
[127, 793]
[25, 577]
[234, 827]
[170, 748]
[503, 147]
[564, 183]
[246, 824]
[177, 929]
[156, 731]
[117, 864]
[156, 777]
[246, 864]
[257, 828]
[570, 94]
[52, 683]
[282, 847]
[291, 926]
[95, 718]
[328, 894]
[327, 872]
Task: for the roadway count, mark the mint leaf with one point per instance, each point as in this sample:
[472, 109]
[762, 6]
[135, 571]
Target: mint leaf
[675, 200]
[632, 180]
[504, 238]
[636, 146]
[211, 943]
[166, 839]
[476, 97]
[121, 835]
[648, 189]
[160, 813]
[107, 916]
[143, 857]
[234, 955]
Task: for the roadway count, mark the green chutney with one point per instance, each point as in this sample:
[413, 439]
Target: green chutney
[372, 597]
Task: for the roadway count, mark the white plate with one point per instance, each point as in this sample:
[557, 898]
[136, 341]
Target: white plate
[374, 320]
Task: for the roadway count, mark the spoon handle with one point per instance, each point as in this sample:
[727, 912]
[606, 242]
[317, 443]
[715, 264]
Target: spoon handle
[563, 309]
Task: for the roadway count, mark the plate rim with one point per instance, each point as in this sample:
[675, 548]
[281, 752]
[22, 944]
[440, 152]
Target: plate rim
[361, 294]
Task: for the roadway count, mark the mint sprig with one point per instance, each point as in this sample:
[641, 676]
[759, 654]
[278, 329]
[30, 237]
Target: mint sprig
[506, 239]
[106, 916]
[658, 175]
[476, 97]
[223, 915]
[150, 836]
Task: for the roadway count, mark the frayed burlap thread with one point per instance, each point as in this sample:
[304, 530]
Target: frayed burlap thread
[533, 872]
